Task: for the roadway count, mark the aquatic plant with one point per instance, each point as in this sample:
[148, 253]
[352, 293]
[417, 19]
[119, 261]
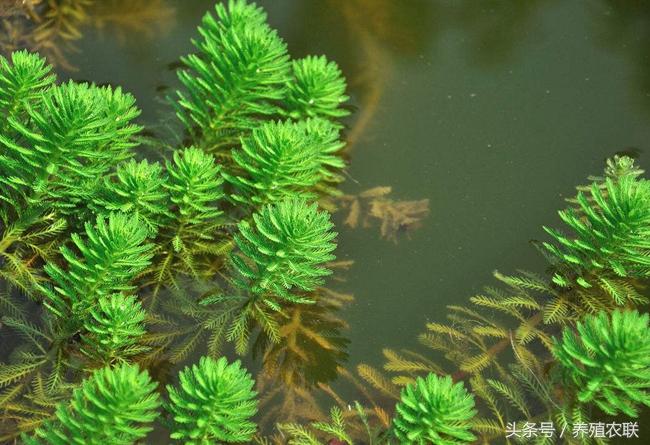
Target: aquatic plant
[311, 354]
[114, 252]
[213, 404]
[137, 188]
[81, 131]
[281, 160]
[316, 90]
[280, 257]
[395, 217]
[611, 232]
[238, 74]
[299, 435]
[115, 405]
[527, 309]
[139, 262]
[114, 326]
[95, 238]
[434, 410]
[22, 80]
[608, 360]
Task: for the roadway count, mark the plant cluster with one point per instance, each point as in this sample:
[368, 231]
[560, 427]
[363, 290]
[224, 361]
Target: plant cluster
[95, 244]
[110, 266]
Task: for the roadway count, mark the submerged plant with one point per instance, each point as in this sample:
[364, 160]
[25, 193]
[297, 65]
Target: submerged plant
[238, 74]
[610, 242]
[189, 232]
[284, 249]
[434, 410]
[281, 257]
[282, 160]
[608, 360]
[609, 268]
[316, 90]
[23, 78]
[137, 188]
[75, 134]
[299, 435]
[114, 406]
[113, 328]
[114, 252]
[213, 404]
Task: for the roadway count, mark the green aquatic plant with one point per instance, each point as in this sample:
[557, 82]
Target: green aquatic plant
[138, 188]
[281, 257]
[237, 75]
[115, 405]
[284, 249]
[610, 242]
[608, 360]
[213, 404]
[114, 251]
[190, 230]
[281, 160]
[114, 326]
[23, 79]
[164, 230]
[73, 136]
[523, 314]
[94, 237]
[34, 377]
[316, 90]
[434, 410]
[194, 188]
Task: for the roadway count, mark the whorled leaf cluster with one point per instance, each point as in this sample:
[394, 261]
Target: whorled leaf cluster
[99, 242]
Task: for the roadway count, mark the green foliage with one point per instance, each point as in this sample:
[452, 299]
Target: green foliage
[280, 160]
[33, 236]
[113, 253]
[114, 326]
[434, 409]
[619, 166]
[194, 187]
[280, 257]
[22, 81]
[59, 152]
[38, 368]
[85, 227]
[114, 406]
[138, 188]
[608, 360]
[237, 75]
[316, 90]
[611, 237]
[284, 249]
[213, 404]
[191, 229]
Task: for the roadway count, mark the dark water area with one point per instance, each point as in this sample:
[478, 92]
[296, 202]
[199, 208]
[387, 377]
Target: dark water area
[493, 111]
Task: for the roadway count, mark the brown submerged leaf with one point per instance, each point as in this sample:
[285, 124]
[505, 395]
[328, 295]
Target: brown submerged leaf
[374, 206]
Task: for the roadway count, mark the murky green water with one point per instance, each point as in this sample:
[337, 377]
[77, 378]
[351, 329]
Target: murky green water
[492, 110]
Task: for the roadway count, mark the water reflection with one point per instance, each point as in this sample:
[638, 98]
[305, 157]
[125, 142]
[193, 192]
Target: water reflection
[53, 27]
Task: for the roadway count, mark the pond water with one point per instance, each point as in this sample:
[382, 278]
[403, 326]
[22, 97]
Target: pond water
[491, 110]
